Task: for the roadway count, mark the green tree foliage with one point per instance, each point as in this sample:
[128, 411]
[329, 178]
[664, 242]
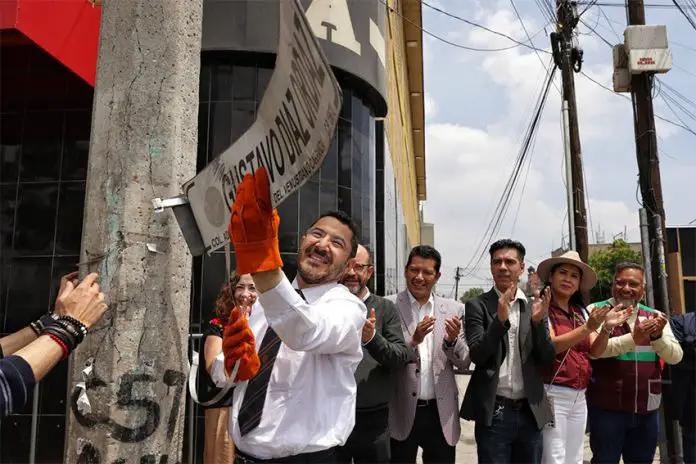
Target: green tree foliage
[471, 293]
[604, 263]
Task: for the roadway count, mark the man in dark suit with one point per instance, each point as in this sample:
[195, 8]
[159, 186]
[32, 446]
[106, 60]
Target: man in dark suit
[383, 349]
[508, 341]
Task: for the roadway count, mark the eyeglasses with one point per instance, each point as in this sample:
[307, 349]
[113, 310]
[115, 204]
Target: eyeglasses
[361, 267]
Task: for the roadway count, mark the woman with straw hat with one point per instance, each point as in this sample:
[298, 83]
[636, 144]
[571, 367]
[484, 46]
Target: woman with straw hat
[574, 332]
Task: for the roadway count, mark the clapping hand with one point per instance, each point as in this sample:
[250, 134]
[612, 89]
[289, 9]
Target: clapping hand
[505, 301]
[617, 316]
[540, 307]
[597, 317]
[368, 330]
[423, 328]
[453, 327]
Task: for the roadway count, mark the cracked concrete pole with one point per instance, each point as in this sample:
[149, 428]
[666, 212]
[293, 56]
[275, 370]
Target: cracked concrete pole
[128, 407]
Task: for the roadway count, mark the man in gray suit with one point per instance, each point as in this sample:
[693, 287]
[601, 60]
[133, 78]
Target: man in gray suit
[423, 411]
[384, 349]
[509, 340]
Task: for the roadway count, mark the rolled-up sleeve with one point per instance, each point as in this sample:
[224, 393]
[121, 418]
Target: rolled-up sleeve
[329, 326]
[16, 384]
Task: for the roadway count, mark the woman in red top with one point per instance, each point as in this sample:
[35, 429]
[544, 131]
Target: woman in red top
[574, 333]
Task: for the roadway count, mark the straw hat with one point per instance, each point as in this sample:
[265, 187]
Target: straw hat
[589, 277]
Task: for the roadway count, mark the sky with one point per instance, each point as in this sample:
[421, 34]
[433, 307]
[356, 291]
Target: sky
[478, 106]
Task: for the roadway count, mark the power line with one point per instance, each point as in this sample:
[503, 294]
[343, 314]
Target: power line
[449, 42]
[480, 26]
[681, 10]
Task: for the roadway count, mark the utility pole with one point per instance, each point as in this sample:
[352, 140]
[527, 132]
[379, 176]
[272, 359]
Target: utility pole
[128, 379]
[651, 193]
[569, 59]
[456, 283]
[646, 152]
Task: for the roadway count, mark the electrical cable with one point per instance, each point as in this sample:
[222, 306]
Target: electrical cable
[506, 196]
[688, 18]
[442, 39]
[528, 43]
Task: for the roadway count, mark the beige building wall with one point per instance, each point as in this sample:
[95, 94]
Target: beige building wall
[404, 124]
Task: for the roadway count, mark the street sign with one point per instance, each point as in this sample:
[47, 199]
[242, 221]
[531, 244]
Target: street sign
[290, 136]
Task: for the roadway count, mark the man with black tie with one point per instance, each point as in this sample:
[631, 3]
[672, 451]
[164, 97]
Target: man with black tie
[383, 350]
[296, 400]
[508, 341]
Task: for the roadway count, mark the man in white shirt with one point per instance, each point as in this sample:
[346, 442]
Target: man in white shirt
[300, 404]
[423, 411]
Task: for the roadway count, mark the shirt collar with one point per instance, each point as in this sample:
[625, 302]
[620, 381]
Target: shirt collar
[413, 300]
[312, 294]
[367, 295]
[518, 296]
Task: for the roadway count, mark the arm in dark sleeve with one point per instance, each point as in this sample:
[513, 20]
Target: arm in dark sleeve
[389, 348]
[544, 350]
[16, 384]
[482, 343]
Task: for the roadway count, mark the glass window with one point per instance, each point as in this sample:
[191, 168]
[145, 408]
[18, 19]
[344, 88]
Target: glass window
[244, 82]
[345, 144]
[309, 205]
[42, 146]
[36, 218]
[10, 146]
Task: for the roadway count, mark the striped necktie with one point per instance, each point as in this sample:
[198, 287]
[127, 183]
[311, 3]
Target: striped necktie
[255, 396]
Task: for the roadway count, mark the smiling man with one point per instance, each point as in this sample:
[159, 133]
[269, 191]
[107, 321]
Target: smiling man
[509, 340]
[298, 351]
[625, 390]
[423, 411]
[384, 349]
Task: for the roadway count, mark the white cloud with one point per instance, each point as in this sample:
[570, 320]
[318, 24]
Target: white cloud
[430, 107]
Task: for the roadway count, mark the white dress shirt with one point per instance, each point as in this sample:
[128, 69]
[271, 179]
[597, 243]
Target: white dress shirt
[510, 380]
[425, 349]
[310, 401]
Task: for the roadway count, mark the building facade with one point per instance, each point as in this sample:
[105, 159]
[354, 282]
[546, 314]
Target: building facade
[375, 168]
[681, 268]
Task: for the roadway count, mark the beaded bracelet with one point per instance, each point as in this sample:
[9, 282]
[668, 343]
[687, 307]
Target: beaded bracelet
[60, 332]
[72, 329]
[61, 343]
[81, 327]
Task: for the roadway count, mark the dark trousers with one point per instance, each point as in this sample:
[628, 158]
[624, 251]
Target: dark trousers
[369, 441]
[689, 445]
[427, 434]
[512, 437]
[614, 434]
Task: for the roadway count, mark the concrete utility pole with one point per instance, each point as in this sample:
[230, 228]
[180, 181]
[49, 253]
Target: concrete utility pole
[567, 21]
[128, 407]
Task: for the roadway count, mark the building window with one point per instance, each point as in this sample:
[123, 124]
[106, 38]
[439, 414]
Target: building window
[45, 117]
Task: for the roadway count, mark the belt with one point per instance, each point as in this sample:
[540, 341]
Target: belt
[422, 403]
[319, 456]
[510, 403]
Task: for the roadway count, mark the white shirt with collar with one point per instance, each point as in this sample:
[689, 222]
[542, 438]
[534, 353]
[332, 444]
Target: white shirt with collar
[311, 396]
[510, 380]
[425, 349]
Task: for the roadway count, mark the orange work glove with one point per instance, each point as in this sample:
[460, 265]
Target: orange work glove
[253, 227]
[238, 344]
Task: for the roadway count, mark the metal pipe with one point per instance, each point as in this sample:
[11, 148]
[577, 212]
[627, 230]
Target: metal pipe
[34, 423]
[647, 263]
[569, 174]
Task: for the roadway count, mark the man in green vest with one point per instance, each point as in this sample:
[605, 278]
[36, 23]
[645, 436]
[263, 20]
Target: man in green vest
[625, 390]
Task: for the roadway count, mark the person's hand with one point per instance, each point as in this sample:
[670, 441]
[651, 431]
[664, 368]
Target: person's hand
[84, 302]
[540, 307]
[597, 317]
[453, 327]
[253, 227]
[660, 321]
[58, 307]
[617, 316]
[423, 328]
[505, 301]
[642, 330]
[368, 330]
[238, 344]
